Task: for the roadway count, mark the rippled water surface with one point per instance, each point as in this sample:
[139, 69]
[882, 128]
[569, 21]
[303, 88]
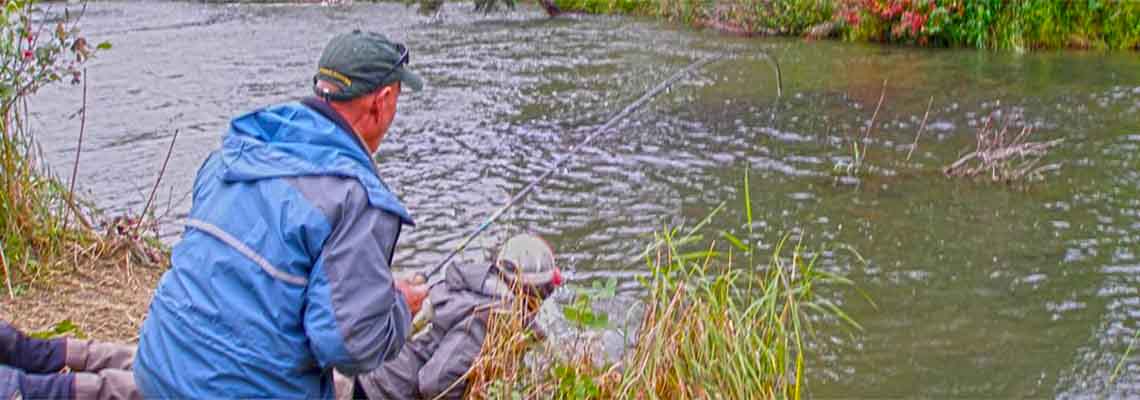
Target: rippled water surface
[981, 290]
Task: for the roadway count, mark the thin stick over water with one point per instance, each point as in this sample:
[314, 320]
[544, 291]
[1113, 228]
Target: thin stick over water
[78, 150]
[157, 181]
[882, 95]
[920, 129]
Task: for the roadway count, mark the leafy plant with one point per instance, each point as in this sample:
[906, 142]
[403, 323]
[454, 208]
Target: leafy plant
[34, 53]
[581, 311]
[501, 389]
[571, 384]
[61, 328]
[790, 16]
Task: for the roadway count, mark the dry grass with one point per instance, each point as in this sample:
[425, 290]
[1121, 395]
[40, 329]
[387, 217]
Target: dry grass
[60, 258]
[508, 339]
[729, 334]
[712, 329]
[35, 208]
[107, 303]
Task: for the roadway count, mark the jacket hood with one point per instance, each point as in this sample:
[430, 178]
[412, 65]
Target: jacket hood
[479, 279]
[462, 290]
[290, 140]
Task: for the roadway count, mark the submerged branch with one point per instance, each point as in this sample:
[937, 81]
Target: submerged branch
[1004, 160]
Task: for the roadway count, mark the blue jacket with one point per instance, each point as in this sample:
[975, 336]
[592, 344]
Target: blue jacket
[283, 271]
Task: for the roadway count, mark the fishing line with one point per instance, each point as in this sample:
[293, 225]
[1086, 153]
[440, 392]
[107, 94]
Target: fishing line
[530, 187]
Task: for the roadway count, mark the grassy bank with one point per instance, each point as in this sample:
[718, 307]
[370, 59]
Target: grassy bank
[44, 228]
[721, 321]
[992, 24]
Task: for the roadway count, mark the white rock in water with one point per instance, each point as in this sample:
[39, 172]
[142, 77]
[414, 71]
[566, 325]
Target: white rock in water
[604, 347]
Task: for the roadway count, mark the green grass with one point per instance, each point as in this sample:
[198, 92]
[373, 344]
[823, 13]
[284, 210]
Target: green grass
[716, 325]
[608, 6]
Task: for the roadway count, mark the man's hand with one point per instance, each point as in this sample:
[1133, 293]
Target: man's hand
[414, 293]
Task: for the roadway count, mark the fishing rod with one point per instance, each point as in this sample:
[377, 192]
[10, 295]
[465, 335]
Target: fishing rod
[573, 151]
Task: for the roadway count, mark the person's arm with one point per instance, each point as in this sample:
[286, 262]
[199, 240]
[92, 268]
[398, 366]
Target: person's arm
[355, 316]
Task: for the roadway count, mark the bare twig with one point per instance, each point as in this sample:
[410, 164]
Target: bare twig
[1024, 132]
[71, 204]
[870, 128]
[920, 129]
[78, 150]
[157, 181]
[7, 273]
[882, 95]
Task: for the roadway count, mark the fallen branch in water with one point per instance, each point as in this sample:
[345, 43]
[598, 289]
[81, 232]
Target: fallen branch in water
[1004, 160]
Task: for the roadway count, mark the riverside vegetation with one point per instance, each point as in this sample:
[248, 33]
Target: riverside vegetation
[720, 321]
[994, 24]
[45, 229]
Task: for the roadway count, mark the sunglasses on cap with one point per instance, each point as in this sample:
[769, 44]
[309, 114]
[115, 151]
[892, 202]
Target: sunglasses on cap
[405, 56]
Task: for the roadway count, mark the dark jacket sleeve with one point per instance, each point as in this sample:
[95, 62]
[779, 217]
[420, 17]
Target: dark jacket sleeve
[354, 317]
[451, 360]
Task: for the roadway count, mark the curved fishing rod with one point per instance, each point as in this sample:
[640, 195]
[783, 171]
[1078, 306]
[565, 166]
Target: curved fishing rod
[574, 150]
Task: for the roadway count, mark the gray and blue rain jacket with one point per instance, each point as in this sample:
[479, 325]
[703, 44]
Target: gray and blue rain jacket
[282, 273]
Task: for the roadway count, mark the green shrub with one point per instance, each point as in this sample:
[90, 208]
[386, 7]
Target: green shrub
[792, 16]
[607, 6]
[1002, 24]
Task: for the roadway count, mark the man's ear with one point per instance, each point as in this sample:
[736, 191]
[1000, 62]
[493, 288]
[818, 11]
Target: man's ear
[376, 102]
[386, 91]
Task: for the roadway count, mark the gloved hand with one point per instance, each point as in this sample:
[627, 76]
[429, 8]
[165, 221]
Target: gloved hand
[414, 293]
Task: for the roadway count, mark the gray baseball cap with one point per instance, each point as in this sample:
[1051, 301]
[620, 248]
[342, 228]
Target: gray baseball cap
[529, 259]
[360, 62]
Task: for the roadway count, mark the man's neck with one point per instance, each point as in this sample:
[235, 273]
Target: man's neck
[330, 111]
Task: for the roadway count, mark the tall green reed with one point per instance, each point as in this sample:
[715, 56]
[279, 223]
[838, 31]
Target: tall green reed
[722, 320]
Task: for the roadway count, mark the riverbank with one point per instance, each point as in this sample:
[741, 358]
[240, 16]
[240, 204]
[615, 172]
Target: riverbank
[983, 292]
[991, 24]
[705, 304]
[61, 258]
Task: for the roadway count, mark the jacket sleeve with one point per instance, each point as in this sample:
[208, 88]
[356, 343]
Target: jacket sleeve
[451, 360]
[354, 316]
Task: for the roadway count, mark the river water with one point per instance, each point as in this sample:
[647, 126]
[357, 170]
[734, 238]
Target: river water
[980, 290]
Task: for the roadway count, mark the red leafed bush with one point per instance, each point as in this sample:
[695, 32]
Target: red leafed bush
[895, 20]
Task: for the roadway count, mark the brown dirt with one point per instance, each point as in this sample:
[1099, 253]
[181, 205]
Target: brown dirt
[106, 303]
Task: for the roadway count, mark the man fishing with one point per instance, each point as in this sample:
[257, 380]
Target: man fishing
[432, 365]
[435, 363]
[283, 273]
